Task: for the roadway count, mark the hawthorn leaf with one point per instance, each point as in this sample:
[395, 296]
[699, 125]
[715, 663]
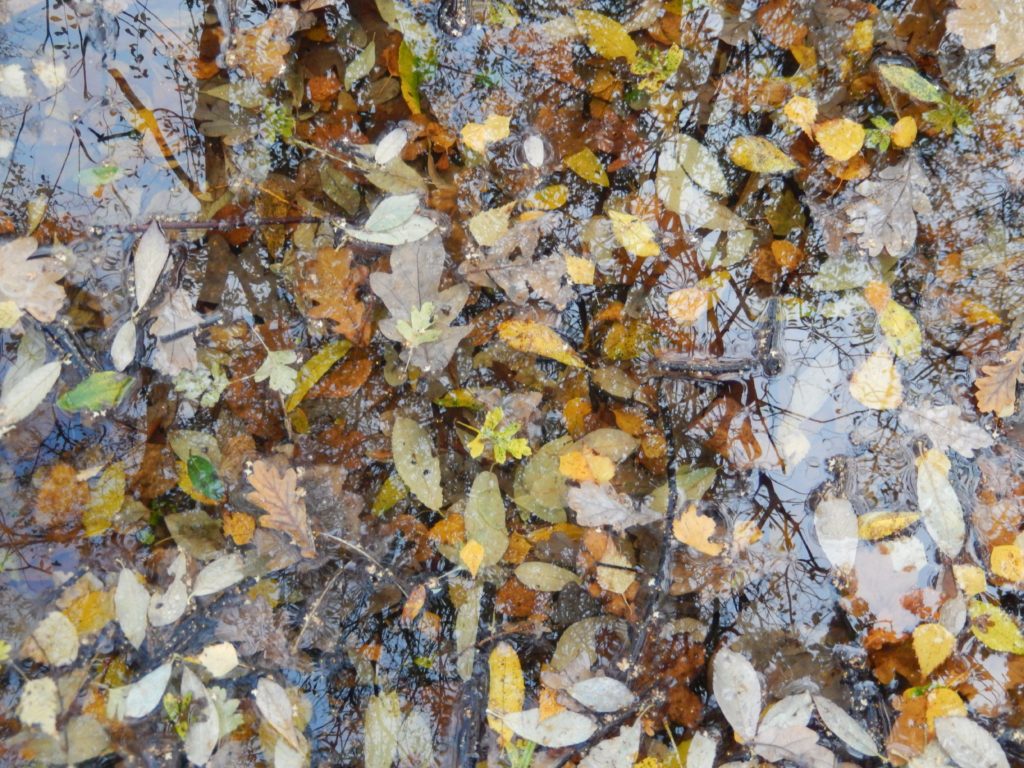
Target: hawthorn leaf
[276, 368]
[562, 729]
[849, 731]
[150, 257]
[131, 604]
[945, 427]
[940, 508]
[602, 694]
[415, 462]
[276, 492]
[737, 690]
[885, 217]
[616, 751]
[970, 745]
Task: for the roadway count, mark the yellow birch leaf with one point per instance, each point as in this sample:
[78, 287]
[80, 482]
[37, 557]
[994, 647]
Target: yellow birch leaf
[605, 36]
[585, 465]
[538, 339]
[879, 525]
[695, 530]
[876, 382]
[105, 501]
[588, 167]
[970, 578]
[904, 132]
[840, 139]
[995, 628]
[477, 136]
[472, 555]
[943, 702]
[548, 198]
[901, 329]
[488, 227]
[1008, 562]
[506, 688]
[862, 39]
[688, 305]
[90, 611]
[753, 153]
[633, 234]
[581, 270]
[803, 112]
[932, 645]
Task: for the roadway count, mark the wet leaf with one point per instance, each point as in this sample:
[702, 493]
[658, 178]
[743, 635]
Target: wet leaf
[588, 167]
[53, 642]
[472, 556]
[605, 36]
[695, 530]
[1007, 562]
[23, 394]
[757, 154]
[559, 730]
[360, 66]
[907, 80]
[218, 575]
[852, 733]
[39, 705]
[633, 234]
[684, 167]
[586, 466]
[314, 369]
[602, 694]
[701, 752]
[839, 139]
[276, 709]
[945, 427]
[150, 257]
[737, 690]
[168, 607]
[488, 227]
[933, 644]
[276, 492]
[995, 628]
[141, 697]
[174, 328]
[122, 349]
[981, 23]
[970, 745]
[876, 382]
[885, 216]
[537, 339]
[597, 505]
[277, 371]
[29, 283]
[938, 502]
[477, 136]
[260, 51]
[802, 111]
[997, 386]
[506, 688]
[467, 623]
[203, 475]
[415, 462]
[616, 751]
[485, 518]
[203, 724]
[103, 389]
[880, 525]
[836, 527]
[409, 76]
[219, 659]
[131, 604]
[545, 577]
[904, 132]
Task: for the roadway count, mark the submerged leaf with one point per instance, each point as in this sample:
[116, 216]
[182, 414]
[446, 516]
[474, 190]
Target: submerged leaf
[607, 37]
[932, 645]
[885, 216]
[876, 382]
[757, 154]
[737, 690]
[588, 167]
[100, 390]
[995, 628]
[562, 729]
[485, 518]
[997, 386]
[506, 688]
[852, 733]
[970, 745]
[381, 726]
[537, 339]
[419, 468]
[835, 524]
[277, 493]
[938, 502]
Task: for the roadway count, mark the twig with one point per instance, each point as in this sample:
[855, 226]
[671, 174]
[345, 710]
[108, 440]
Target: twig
[386, 572]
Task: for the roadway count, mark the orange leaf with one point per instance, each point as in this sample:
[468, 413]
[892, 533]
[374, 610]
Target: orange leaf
[239, 526]
[695, 530]
[414, 603]
[277, 493]
[472, 556]
[333, 283]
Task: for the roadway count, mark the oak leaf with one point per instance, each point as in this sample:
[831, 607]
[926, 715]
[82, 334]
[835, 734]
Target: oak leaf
[277, 493]
[997, 387]
[333, 283]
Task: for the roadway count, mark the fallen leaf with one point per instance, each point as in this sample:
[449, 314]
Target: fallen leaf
[506, 688]
[174, 329]
[605, 36]
[757, 154]
[616, 751]
[737, 690]
[981, 23]
[597, 505]
[29, 283]
[940, 508]
[904, 132]
[415, 462]
[39, 705]
[836, 526]
[131, 604]
[23, 393]
[883, 524]
[840, 139]
[852, 733]
[53, 642]
[885, 216]
[802, 111]
[150, 257]
[334, 283]
[477, 136]
[997, 386]
[488, 227]
[970, 578]
[933, 644]
[545, 577]
[276, 492]
[970, 745]
[360, 66]
[876, 383]
[602, 694]
[203, 721]
[277, 371]
[560, 730]
[586, 466]
[995, 628]
[314, 369]
[1007, 562]
[141, 697]
[633, 234]
[472, 556]
[695, 530]
[685, 170]
[219, 659]
[276, 709]
[169, 606]
[221, 573]
[588, 167]
[537, 339]
[945, 426]
[484, 517]
[688, 305]
[100, 390]
[261, 51]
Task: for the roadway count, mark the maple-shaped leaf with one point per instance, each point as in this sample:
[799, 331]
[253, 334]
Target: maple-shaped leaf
[277, 493]
[997, 387]
[981, 23]
[31, 284]
[333, 282]
[946, 429]
[425, 332]
[885, 216]
[261, 51]
[174, 330]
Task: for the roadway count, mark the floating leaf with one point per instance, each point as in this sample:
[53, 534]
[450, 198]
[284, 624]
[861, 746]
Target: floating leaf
[588, 167]
[131, 603]
[885, 216]
[506, 688]
[995, 628]
[142, 697]
[488, 227]
[835, 524]
[932, 645]
[276, 709]
[537, 339]
[361, 65]
[472, 556]
[695, 530]
[737, 690]
[276, 492]
[945, 427]
[596, 505]
[602, 694]
[415, 462]
[103, 389]
[53, 642]
[839, 139]
[477, 136]
[605, 36]
[484, 518]
[757, 154]
[545, 577]
[876, 383]
[218, 575]
[122, 349]
[803, 112]
[907, 80]
[381, 726]
[852, 733]
[150, 257]
[617, 751]
[219, 659]
[633, 234]
[938, 502]
[23, 394]
[997, 386]
[970, 745]
[314, 369]
[684, 167]
[1007, 562]
[559, 730]
[276, 369]
[904, 132]
[39, 705]
[880, 525]
[586, 466]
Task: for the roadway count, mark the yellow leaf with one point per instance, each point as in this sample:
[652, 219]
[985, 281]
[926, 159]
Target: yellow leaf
[548, 704]
[840, 139]
[878, 525]
[995, 628]
[506, 688]
[409, 77]
[695, 530]
[488, 227]
[605, 36]
[1008, 562]
[548, 198]
[240, 527]
[585, 465]
[105, 501]
[753, 153]
[902, 332]
[9, 314]
[538, 339]
[970, 578]
[904, 132]
[876, 382]
[477, 136]
[314, 369]
[803, 112]
[862, 40]
[688, 305]
[633, 234]
[745, 533]
[581, 270]
[472, 555]
[90, 611]
[943, 702]
[932, 645]
[877, 294]
[588, 167]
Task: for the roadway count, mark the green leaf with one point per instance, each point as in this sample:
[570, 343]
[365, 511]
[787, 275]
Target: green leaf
[907, 80]
[99, 175]
[276, 368]
[204, 477]
[410, 77]
[361, 65]
[419, 328]
[419, 468]
[503, 441]
[100, 390]
[605, 36]
[314, 369]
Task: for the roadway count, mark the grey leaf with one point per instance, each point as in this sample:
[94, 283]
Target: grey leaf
[885, 216]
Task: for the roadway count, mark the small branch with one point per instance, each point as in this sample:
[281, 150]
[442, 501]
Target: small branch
[386, 572]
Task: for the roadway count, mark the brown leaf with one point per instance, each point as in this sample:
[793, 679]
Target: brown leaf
[31, 283]
[260, 52]
[278, 494]
[333, 283]
[997, 387]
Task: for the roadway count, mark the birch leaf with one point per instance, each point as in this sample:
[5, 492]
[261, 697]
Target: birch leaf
[849, 731]
[633, 234]
[876, 382]
[938, 502]
[932, 645]
[559, 730]
[970, 745]
[995, 628]
[506, 688]
[695, 530]
[835, 524]
[477, 136]
[150, 257]
[757, 154]
[419, 468]
[588, 167]
[737, 690]
[605, 36]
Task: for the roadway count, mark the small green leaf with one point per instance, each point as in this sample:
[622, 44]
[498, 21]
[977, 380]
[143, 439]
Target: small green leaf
[204, 477]
[419, 328]
[100, 390]
[907, 80]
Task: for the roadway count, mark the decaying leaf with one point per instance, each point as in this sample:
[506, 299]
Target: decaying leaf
[596, 505]
[946, 428]
[23, 392]
[420, 470]
[940, 508]
[885, 217]
[758, 154]
[276, 492]
[981, 23]
[31, 284]
[997, 386]
[695, 530]
[876, 382]
[381, 728]
[602, 694]
[835, 524]
[970, 745]
[840, 139]
[537, 339]
[737, 689]
[560, 730]
[333, 282]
